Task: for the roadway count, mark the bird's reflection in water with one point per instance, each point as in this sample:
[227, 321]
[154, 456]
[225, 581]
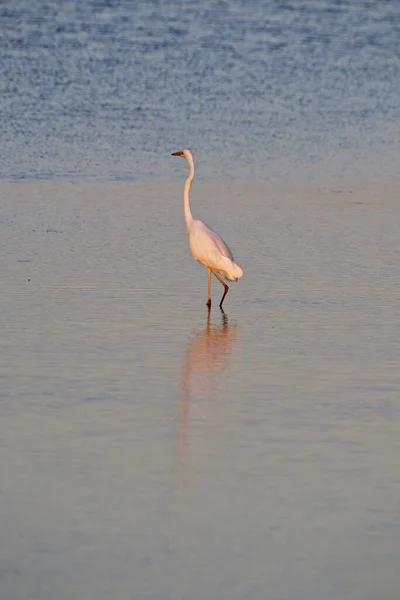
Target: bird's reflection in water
[205, 362]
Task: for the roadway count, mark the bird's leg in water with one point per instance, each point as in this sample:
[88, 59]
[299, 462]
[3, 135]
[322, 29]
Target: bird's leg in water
[209, 288]
[226, 288]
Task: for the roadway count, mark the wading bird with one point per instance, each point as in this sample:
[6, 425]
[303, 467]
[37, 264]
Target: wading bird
[207, 247]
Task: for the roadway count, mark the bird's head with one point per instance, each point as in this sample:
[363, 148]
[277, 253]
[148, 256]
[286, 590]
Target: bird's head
[185, 153]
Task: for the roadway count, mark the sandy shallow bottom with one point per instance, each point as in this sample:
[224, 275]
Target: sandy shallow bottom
[148, 451]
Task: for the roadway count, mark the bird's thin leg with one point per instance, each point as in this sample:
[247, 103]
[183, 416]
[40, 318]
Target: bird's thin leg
[226, 288]
[209, 288]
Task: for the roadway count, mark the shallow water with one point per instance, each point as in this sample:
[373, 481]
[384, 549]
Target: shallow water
[150, 449]
[279, 90]
[151, 452]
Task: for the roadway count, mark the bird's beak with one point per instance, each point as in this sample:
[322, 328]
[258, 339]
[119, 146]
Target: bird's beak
[180, 153]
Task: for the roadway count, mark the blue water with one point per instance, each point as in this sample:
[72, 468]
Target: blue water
[305, 89]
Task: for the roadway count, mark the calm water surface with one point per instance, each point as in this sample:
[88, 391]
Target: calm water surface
[148, 451]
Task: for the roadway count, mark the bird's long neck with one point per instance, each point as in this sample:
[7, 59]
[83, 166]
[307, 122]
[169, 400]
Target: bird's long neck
[186, 194]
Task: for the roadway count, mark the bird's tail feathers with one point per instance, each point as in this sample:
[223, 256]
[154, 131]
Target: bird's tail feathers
[232, 270]
[237, 271]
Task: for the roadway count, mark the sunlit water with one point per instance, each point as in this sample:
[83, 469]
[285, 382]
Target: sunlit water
[151, 451]
[280, 89]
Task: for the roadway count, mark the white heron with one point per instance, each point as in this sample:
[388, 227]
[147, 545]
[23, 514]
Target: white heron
[207, 247]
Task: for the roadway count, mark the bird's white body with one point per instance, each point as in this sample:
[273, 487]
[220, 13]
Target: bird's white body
[207, 247]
